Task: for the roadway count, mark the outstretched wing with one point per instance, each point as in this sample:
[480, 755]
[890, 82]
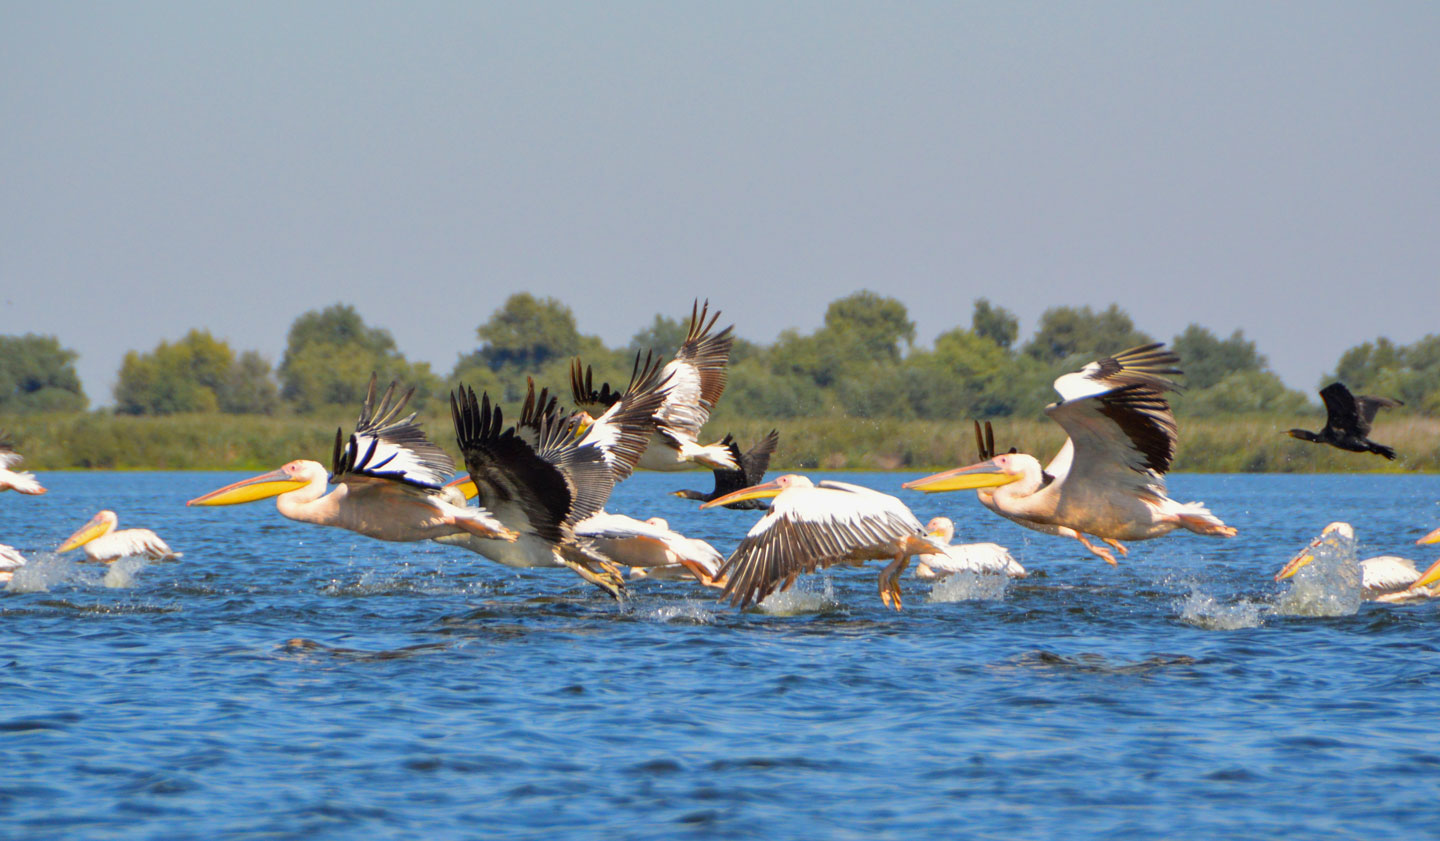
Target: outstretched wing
[1368, 404]
[387, 446]
[756, 460]
[582, 389]
[1341, 413]
[623, 431]
[696, 375]
[1150, 365]
[1124, 437]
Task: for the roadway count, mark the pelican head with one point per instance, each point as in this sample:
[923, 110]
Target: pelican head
[1306, 555]
[1000, 470]
[659, 522]
[293, 476]
[99, 526]
[769, 489]
[941, 528]
[465, 485]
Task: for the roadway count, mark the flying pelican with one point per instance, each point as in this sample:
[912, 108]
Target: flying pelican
[1379, 577]
[979, 558]
[1347, 421]
[10, 560]
[543, 488]
[695, 379]
[105, 545]
[753, 464]
[389, 482]
[10, 479]
[1122, 436]
[651, 548]
[811, 526]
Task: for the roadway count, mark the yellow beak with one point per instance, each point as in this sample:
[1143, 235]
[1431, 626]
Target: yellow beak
[1306, 556]
[764, 491]
[263, 486]
[97, 526]
[465, 484]
[986, 474]
[1432, 537]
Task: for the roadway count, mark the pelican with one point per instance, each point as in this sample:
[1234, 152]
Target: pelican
[651, 549]
[695, 379]
[1112, 486]
[543, 488]
[1347, 421]
[1381, 578]
[1422, 585]
[811, 526]
[978, 558]
[15, 480]
[389, 482]
[105, 545]
[10, 560]
[753, 464]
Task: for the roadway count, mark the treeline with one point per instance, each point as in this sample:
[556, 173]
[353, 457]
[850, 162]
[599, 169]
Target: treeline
[862, 362]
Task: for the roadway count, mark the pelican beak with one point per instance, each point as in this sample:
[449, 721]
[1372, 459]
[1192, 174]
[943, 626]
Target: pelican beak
[986, 474]
[1432, 537]
[465, 484]
[86, 533]
[1304, 557]
[1429, 576]
[768, 489]
[263, 486]
[586, 421]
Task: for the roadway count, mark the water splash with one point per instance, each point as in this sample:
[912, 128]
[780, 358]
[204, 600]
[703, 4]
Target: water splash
[1330, 585]
[120, 575]
[691, 612]
[1205, 611]
[970, 587]
[800, 599]
[45, 570]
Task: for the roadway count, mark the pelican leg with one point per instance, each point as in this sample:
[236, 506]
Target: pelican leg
[606, 580]
[1105, 554]
[890, 581]
[1118, 546]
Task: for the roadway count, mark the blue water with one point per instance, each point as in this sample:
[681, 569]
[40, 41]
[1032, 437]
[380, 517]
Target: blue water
[288, 681]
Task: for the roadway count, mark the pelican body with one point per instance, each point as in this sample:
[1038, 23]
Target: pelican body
[1112, 485]
[11, 479]
[977, 558]
[103, 544]
[810, 526]
[651, 549]
[388, 477]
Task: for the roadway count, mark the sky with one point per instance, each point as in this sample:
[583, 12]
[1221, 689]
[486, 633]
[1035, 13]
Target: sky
[1267, 167]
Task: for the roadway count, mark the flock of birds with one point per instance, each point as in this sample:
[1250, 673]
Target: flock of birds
[540, 484]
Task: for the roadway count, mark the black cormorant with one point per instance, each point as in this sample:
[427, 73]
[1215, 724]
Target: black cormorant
[1348, 420]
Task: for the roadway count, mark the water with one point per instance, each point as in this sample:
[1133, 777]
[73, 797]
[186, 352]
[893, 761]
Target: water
[287, 681]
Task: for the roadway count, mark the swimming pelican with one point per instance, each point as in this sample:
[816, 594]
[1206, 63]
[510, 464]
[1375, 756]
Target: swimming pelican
[16, 480]
[1347, 421]
[1381, 578]
[979, 558]
[695, 379]
[105, 545]
[543, 489]
[753, 464]
[811, 526]
[1122, 437]
[651, 549]
[389, 482]
[10, 560]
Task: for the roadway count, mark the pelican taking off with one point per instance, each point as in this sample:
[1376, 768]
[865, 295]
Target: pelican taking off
[977, 558]
[15, 480]
[811, 526]
[694, 381]
[104, 544]
[1347, 421]
[1122, 437]
[389, 482]
[651, 548]
[1380, 578]
[753, 464]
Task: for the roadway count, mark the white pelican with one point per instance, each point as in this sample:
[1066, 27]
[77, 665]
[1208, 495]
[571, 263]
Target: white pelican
[811, 526]
[543, 488]
[105, 545]
[694, 381]
[651, 549]
[979, 558]
[1380, 578]
[15, 480]
[1122, 436]
[10, 560]
[753, 464]
[389, 482]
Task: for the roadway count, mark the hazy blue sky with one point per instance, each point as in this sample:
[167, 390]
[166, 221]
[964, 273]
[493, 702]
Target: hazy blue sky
[1273, 167]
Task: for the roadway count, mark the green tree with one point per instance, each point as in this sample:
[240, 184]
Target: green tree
[1409, 373]
[527, 332]
[38, 375]
[1207, 359]
[1071, 335]
[997, 324]
[330, 355]
[664, 336]
[198, 373]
